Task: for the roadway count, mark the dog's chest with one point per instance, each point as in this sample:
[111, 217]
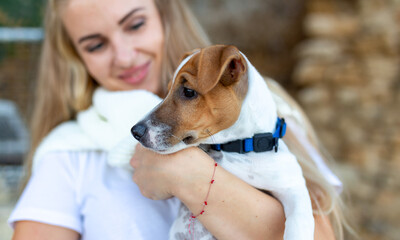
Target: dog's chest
[265, 170]
[234, 163]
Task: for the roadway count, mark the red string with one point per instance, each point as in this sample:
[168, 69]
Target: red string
[193, 217]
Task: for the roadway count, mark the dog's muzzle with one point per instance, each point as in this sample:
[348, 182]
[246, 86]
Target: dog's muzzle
[153, 135]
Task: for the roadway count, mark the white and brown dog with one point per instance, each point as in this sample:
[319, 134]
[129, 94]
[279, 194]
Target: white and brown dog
[216, 97]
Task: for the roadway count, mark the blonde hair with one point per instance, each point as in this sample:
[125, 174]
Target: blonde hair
[64, 87]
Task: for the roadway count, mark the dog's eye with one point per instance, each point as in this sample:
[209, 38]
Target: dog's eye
[188, 93]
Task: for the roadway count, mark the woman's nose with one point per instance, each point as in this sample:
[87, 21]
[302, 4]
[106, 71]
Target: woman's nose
[124, 55]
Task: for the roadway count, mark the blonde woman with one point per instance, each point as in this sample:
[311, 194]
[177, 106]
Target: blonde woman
[126, 45]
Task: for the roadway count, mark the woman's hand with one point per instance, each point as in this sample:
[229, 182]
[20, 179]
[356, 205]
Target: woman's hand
[163, 176]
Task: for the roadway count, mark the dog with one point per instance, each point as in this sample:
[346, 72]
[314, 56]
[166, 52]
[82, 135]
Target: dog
[217, 97]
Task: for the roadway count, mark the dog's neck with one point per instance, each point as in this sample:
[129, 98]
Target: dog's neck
[258, 113]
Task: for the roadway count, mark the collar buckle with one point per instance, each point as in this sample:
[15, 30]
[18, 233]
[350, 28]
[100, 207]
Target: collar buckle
[263, 142]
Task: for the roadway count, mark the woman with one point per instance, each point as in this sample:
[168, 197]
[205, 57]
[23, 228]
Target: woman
[126, 45]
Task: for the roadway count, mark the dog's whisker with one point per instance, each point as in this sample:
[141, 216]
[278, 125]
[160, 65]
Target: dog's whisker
[211, 135]
[180, 140]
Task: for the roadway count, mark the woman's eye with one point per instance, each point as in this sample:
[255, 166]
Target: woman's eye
[189, 93]
[137, 25]
[95, 47]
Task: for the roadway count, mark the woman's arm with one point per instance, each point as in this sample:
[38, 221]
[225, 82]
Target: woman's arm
[29, 230]
[235, 210]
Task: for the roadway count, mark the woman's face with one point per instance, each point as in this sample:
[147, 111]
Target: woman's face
[121, 42]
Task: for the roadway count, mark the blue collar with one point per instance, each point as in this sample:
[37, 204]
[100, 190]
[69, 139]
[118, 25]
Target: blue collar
[261, 142]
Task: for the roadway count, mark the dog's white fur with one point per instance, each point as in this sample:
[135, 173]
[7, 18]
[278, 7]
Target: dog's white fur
[277, 172]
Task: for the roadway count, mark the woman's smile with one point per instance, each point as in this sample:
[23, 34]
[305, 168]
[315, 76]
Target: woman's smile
[136, 74]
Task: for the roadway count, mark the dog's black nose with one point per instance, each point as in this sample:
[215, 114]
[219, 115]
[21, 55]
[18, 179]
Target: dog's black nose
[138, 130]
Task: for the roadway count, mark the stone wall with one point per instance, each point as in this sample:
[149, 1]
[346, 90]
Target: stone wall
[348, 80]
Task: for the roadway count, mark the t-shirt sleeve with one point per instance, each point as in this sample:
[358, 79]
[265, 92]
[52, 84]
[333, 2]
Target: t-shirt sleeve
[51, 196]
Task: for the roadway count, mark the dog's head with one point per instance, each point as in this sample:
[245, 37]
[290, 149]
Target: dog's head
[204, 98]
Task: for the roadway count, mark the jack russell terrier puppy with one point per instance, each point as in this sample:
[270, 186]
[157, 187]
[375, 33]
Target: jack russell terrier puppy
[218, 99]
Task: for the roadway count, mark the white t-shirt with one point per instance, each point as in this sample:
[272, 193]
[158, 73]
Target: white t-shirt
[80, 191]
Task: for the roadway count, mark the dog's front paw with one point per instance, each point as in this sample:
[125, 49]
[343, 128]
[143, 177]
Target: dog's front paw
[299, 223]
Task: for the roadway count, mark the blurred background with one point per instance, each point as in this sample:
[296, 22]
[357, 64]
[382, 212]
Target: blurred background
[338, 58]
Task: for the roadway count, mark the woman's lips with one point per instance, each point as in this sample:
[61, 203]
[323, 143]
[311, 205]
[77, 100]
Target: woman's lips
[135, 75]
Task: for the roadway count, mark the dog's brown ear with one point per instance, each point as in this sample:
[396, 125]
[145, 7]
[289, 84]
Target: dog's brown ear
[233, 66]
[222, 64]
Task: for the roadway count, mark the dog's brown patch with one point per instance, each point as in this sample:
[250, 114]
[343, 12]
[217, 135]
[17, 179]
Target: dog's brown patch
[218, 74]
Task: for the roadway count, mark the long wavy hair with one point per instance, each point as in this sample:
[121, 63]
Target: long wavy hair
[64, 87]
